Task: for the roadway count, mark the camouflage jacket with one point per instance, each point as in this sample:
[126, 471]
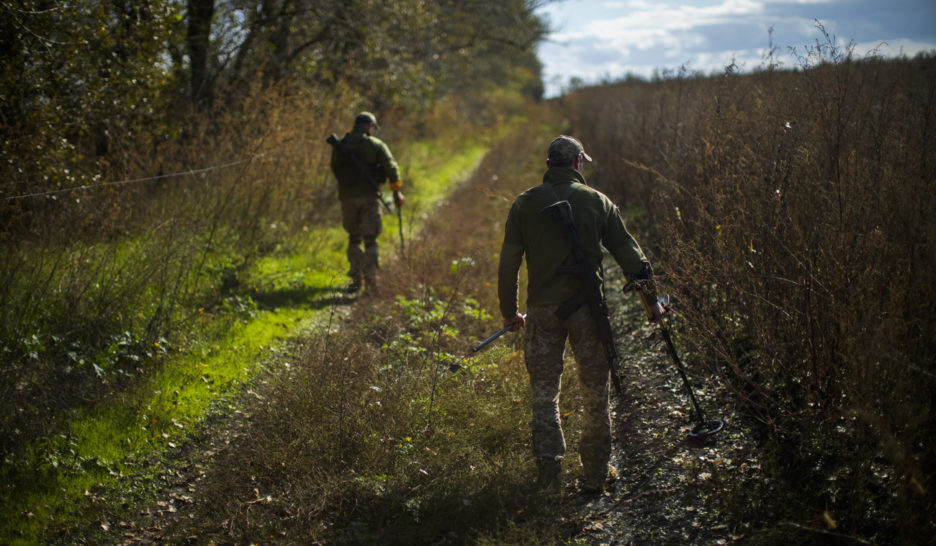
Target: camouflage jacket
[374, 153]
[530, 233]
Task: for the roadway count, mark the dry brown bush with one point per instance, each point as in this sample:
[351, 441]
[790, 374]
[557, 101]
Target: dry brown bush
[368, 437]
[794, 215]
[92, 277]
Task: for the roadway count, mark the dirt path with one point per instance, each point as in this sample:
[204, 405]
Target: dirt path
[670, 490]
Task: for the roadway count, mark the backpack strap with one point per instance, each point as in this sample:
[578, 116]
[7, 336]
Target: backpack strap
[572, 304]
[565, 196]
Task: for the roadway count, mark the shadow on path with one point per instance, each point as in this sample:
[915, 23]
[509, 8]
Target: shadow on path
[304, 297]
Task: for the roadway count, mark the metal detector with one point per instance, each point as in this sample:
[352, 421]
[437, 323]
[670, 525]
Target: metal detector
[457, 365]
[704, 427]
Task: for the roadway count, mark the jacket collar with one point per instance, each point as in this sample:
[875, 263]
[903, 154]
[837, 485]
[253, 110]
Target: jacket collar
[560, 175]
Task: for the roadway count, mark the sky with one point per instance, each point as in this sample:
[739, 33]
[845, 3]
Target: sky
[604, 40]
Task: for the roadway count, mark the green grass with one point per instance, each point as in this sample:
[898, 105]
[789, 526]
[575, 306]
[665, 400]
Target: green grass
[75, 479]
[108, 442]
[301, 271]
[429, 182]
[373, 438]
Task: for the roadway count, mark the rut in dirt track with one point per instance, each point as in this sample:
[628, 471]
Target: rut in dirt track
[669, 489]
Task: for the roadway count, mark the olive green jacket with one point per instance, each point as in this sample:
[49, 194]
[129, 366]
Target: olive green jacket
[374, 153]
[530, 233]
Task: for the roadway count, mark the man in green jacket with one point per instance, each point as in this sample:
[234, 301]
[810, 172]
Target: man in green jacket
[528, 232]
[360, 204]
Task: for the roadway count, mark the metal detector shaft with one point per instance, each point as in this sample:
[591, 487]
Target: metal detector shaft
[682, 373]
[456, 366]
[399, 214]
[496, 335]
[671, 349]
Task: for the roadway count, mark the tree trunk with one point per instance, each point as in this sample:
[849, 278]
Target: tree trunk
[200, 13]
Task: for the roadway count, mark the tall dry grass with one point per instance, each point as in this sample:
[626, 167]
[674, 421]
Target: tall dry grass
[795, 216]
[368, 437]
[95, 283]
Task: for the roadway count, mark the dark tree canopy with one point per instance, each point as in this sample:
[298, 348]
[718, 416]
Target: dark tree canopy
[391, 51]
[82, 78]
[74, 76]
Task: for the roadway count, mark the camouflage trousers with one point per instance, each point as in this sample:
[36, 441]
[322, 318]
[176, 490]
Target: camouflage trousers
[360, 217]
[545, 345]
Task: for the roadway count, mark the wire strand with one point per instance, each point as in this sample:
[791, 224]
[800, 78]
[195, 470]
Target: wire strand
[136, 180]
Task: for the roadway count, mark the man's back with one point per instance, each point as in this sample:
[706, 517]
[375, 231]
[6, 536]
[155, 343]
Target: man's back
[529, 232]
[372, 152]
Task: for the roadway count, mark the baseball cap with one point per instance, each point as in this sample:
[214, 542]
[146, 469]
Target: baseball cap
[365, 117]
[566, 147]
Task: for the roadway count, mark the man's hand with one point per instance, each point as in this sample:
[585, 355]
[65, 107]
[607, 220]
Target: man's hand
[654, 309]
[398, 198]
[516, 322]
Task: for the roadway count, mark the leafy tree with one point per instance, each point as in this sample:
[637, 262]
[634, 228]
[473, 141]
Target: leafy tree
[84, 81]
[78, 79]
[488, 44]
[408, 51]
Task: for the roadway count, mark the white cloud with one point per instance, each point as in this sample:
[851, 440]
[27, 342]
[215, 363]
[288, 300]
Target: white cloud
[663, 25]
[892, 48]
[599, 40]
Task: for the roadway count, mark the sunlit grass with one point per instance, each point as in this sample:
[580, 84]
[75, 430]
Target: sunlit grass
[370, 417]
[429, 181]
[279, 296]
[109, 440]
[308, 262]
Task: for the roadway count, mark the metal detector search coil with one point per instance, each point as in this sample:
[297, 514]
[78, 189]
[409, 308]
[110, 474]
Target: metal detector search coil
[706, 429]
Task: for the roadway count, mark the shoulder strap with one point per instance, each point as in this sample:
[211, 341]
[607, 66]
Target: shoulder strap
[565, 196]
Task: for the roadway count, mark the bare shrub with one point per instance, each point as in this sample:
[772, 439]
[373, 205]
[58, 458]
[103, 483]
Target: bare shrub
[794, 213]
[94, 285]
[368, 436]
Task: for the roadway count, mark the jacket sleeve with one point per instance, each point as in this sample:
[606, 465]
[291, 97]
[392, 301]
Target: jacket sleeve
[388, 164]
[334, 159]
[622, 246]
[508, 271]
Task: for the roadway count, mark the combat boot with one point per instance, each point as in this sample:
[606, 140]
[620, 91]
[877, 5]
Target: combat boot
[549, 470]
[356, 281]
[596, 481]
[371, 286]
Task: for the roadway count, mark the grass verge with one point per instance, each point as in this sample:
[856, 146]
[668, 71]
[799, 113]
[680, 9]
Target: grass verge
[368, 437]
[107, 459]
